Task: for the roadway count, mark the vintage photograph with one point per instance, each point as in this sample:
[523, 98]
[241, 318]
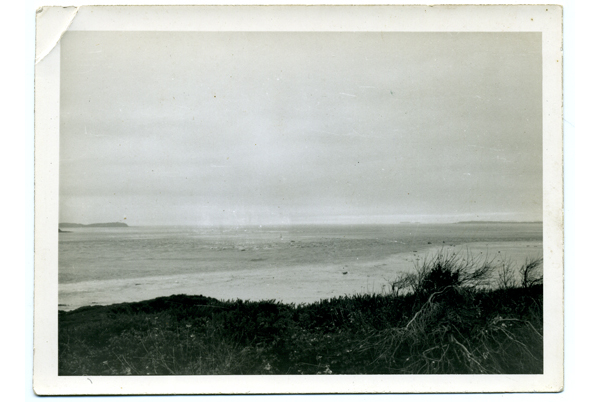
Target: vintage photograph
[300, 203]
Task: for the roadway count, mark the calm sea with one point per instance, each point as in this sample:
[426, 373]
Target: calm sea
[99, 254]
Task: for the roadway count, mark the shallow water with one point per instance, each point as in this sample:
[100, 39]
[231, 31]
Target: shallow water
[109, 265]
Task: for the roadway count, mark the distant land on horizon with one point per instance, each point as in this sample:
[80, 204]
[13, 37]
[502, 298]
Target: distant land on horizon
[93, 225]
[119, 224]
[470, 222]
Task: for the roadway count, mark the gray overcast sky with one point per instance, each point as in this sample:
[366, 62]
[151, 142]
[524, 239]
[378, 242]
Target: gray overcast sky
[270, 128]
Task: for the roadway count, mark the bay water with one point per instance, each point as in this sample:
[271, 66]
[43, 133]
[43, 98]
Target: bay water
[103, 265]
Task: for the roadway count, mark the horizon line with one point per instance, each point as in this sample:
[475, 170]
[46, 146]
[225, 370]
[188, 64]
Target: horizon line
[311, 223]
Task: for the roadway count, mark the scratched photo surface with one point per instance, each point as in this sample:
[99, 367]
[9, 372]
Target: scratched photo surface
[300, 203]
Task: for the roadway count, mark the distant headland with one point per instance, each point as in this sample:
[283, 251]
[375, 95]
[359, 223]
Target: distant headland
[93, 225]
[486, 222]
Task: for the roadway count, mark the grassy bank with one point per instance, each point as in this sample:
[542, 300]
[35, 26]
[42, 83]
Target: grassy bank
[443, 318]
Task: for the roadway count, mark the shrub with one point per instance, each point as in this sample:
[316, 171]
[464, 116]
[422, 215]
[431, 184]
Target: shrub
[506, 277]
[531, 272]
[446, 270]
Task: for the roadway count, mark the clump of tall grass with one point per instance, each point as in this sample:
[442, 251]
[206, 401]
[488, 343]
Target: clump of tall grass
[446, 270]
[451, 331]
[528, 275]
[532, 272]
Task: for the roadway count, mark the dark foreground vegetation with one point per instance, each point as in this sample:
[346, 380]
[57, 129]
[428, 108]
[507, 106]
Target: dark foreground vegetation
[445, 318]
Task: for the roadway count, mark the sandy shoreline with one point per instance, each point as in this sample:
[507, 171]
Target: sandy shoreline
[298, 284]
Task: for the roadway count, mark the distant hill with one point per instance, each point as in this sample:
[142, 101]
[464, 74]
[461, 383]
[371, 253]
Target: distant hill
[485, 222]
[93, 225]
